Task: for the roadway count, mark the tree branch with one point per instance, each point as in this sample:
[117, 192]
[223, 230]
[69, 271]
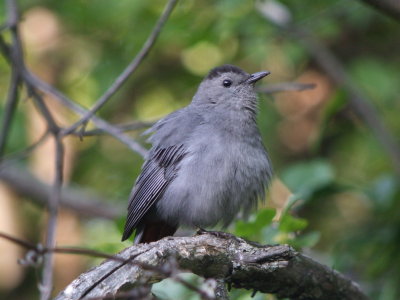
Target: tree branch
[103, 125]
[35, 82]
[120, 80]
[18, 66]
[337, 72]
[390, 8]
[268, 269]
[285, 87]
[167, 269]
[53, 206]
[11, 104]
[80, 201]
[121, 127]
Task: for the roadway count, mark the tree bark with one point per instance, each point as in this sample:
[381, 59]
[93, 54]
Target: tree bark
[277, 269]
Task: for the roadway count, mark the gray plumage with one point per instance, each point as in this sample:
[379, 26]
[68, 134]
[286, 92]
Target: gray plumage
[207, 160]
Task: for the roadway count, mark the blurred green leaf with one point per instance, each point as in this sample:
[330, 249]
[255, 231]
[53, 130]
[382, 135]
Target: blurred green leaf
[289, 223]
[170, 289]
[383, 191]
[306, 178]
[306, 240]
[384, 76]
[250, 229]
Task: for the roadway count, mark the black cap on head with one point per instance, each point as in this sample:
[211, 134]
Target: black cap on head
[224, 69]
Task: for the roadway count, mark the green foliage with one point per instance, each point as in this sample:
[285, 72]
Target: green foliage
[290, 224]
[170, 289]
[250, 229]
[17, 135]
[377, 237]
[263, 229]
[305, 178]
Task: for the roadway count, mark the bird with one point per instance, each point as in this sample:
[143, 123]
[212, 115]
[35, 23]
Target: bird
[207, 162]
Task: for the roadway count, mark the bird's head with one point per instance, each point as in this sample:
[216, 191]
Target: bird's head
[228, 86]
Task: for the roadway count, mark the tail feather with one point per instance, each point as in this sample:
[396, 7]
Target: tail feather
[139, 234]
[151, 232]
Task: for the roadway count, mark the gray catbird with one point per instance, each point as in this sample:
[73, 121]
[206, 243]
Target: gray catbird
[207, 161]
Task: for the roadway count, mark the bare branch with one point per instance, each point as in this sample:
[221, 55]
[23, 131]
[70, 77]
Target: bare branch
[103, 125]
[122, 128]
[18, 66]
[335, 69]
[169, 268]
[17, 241]
[268, 269]
[12, 97]
[15, 156]
[53, 205]
[389, 7]
[45, 112]
[82, 202]
[285, 87]
[11, 104]
[33, 81]
[129, 69]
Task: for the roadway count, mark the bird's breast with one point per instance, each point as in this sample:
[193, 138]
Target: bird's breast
[220, 174]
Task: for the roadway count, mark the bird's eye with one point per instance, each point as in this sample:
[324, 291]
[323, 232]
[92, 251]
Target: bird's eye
[227, 83]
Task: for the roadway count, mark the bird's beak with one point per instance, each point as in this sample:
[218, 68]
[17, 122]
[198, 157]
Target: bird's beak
[257, 76]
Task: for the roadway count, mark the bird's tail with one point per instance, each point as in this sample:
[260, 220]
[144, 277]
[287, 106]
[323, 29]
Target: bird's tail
[151, 232]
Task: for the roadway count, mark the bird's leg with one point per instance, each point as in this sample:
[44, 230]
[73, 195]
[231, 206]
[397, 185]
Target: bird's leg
[201, 231]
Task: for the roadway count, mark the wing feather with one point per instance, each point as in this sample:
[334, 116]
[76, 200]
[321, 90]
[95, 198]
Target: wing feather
[157, 173]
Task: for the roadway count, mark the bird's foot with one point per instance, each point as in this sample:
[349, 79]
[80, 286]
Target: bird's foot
[218, 234]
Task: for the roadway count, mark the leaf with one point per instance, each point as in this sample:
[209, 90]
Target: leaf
[280, 196]
[304, 179]
[292, 224]
[249, 229]
[383, 192]
[307, 240]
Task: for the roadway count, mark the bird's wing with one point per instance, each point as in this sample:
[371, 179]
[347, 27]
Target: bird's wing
[157, 173]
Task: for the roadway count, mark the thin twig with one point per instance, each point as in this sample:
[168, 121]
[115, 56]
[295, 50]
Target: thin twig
[12, 97]
[61, 250]
[121, 79]
[336, 71]
[18, 66]
[54, 203]
[11, 104]
[122, 128]
[285, 87]
[5, 50]
[389, 7]
[15, 156]
[19, 242]
[34, 81]
[110, 129]
[358, 100]
[44, 110]
[169, 269]
[80, 201]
